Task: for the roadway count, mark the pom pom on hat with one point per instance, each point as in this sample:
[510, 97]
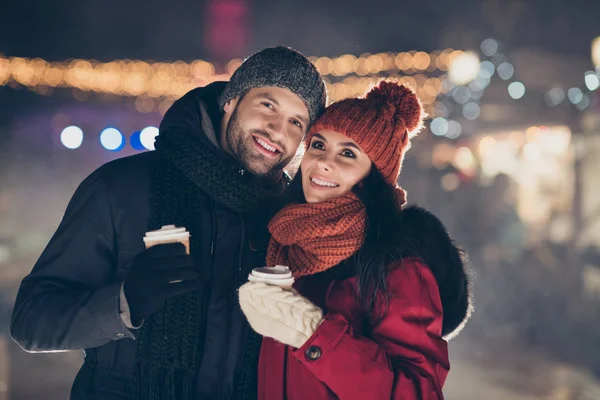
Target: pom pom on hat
[405, 100]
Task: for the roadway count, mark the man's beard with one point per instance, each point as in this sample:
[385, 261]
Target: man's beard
[241, 145]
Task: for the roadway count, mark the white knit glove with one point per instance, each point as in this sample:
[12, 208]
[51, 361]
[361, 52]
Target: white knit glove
[281, 314]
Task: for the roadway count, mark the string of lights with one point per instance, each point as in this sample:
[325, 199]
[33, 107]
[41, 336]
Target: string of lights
[346, 75]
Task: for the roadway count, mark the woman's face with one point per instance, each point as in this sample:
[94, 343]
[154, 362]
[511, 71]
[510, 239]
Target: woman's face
[332, 165]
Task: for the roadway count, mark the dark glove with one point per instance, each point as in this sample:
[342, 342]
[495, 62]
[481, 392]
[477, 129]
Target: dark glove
[156, 274]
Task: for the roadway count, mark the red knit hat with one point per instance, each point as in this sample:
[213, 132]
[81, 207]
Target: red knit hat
[382, 124]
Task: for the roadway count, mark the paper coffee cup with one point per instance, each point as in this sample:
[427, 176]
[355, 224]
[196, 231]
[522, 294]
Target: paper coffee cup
[279, 275]
[168, 234]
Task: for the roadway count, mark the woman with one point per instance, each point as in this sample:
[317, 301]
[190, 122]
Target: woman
[378, 285]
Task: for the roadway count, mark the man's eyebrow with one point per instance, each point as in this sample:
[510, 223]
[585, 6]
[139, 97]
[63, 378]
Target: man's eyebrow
[267, 96]
[301, 118]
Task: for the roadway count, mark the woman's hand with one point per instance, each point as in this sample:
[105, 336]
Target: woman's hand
[281, 314]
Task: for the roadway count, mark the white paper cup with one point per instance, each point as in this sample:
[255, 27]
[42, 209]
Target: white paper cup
[168, 234]
[279, 275]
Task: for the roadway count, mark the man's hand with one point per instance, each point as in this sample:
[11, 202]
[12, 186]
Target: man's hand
[156, 274]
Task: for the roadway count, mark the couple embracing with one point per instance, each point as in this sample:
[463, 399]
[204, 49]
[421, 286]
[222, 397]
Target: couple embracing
[379, 285]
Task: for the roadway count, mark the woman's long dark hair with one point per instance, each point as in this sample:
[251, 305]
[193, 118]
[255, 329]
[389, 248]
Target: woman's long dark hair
[370, 264]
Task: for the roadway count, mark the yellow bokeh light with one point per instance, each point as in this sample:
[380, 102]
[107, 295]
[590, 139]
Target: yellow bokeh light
[450, 182]
[338, 91]
[408, 81]
[4, 71]
[202, 69]
[375, 64]
[233, 65]
[554, 140]
[531, 152]
[408, 61]
[53, 76]
[430, 88]
[442, 155]
[421, 60]
[158, 85]
[362, 66]
[181, 69]
[324, 65]
[141, 67]
[144, 104]
[487, 145]
[388, 61]
[516, 139]
[596, 51]
[433, 56]
[111, 82]
[404, 61]
[343, 65]
[532, 133]
[433, 85]
[134, 84]
[23, 71]
[428, 109]
[464, 67]
[464, 160]
[351, 80]
[420, 79]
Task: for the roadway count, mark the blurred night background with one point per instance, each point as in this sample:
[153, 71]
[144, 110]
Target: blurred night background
[508, 159]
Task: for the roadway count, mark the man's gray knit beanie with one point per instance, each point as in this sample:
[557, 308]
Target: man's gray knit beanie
[282, 67]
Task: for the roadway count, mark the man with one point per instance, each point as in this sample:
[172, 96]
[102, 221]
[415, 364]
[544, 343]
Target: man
[158, 323]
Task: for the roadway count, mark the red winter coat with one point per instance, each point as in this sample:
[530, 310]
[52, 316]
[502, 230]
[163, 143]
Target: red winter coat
[404, 356]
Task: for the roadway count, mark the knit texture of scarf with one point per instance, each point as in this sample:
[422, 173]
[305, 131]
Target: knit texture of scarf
[185, 170]
[311, 238]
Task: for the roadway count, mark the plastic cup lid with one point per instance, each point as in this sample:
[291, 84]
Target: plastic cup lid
[166, 230]
[277, 272]
[272, 281]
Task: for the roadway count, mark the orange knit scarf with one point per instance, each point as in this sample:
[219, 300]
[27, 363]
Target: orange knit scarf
[311, 238]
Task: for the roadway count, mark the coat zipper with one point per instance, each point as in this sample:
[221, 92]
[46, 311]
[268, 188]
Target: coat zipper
[230, 308]
[241, 254]
[207, 290]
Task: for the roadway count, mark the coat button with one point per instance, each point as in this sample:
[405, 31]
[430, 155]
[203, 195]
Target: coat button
[120, 334]
[313, 353]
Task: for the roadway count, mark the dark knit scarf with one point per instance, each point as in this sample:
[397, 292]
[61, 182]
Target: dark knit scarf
[170, 343]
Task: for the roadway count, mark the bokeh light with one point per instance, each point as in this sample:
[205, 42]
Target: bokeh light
[592, 82]
[489, 47]
[71, 137]
[454, 129]
[464, 68]
[471, 111]
[575, 95]
[506, 71]
[516, 90]
[147, 137]
[112, 139]
[554, 97]
[461, 95]
[596, 51]
[439, 126]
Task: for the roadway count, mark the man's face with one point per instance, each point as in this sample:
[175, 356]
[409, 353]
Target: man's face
[265, 128]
